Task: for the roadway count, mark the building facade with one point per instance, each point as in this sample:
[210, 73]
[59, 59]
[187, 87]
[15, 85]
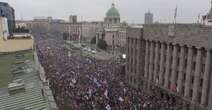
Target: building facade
[148, 18]
[87, 30]
[114, 31]
[116, 38]
[7, 11]
[135, 54]
[175, 60]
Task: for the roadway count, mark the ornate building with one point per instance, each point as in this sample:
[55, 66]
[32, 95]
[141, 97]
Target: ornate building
[113, 30]
[112, 16]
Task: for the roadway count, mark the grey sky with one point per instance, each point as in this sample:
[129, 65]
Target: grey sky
[94, 10]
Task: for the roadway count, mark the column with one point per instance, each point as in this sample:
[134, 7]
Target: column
[146, 66]
[188, 72]
[151, 59]
[198, 67]
[133, 60]
[206, 78]
[161, 71]
[181, 69]
[130, 59]
[210, 93]
[127, 67]
[156, 62]
[174, 66]
[168, 63]
[138, 60]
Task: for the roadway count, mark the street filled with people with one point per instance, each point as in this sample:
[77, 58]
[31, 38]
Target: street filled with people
[81, 82]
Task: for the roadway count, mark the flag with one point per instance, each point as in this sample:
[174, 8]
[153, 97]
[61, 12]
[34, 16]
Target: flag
[175, 14]
[106, 93]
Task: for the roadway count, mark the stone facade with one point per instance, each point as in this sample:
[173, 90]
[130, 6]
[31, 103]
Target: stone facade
[86, 29]
[116, 37]
[135, 54]
[177, 60]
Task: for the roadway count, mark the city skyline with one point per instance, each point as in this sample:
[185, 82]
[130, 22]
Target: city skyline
[132, 12]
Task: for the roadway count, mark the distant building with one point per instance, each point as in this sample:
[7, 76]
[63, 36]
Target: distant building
[112, 16]
[4, 32]
[72, 19]
[207, 19]
[148, 18]
[116, 38]
[113, 31]
[8, 12]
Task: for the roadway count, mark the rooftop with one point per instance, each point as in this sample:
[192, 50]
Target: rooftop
[184, 34]
[20, 65]
[13, 45]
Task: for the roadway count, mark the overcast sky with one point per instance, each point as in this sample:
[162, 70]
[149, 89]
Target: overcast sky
[94, 10]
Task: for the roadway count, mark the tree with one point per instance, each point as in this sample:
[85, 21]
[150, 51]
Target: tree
[102, 44]
[93, 40]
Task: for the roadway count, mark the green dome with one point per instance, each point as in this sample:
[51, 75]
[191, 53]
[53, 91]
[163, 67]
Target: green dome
[112, 12]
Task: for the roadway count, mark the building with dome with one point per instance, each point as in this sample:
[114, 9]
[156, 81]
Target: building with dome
[113, 30]
[112, 16]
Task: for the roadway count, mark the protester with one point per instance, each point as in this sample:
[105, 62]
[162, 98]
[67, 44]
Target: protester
[85, 83]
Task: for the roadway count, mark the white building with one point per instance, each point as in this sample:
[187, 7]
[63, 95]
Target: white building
[4, 32]
[73, 19]
[207, 19]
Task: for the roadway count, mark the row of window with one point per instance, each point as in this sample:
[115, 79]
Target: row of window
[170, 48]
[134, 64]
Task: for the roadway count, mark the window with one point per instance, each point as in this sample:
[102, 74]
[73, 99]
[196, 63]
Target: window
[199, 97]
[115, 20]
[184, 77]
[183, 89]
[192, 80]
[194, 65]
[201, 82]
[191, 93]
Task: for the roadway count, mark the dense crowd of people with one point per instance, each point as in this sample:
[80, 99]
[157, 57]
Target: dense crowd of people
[84, 83]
